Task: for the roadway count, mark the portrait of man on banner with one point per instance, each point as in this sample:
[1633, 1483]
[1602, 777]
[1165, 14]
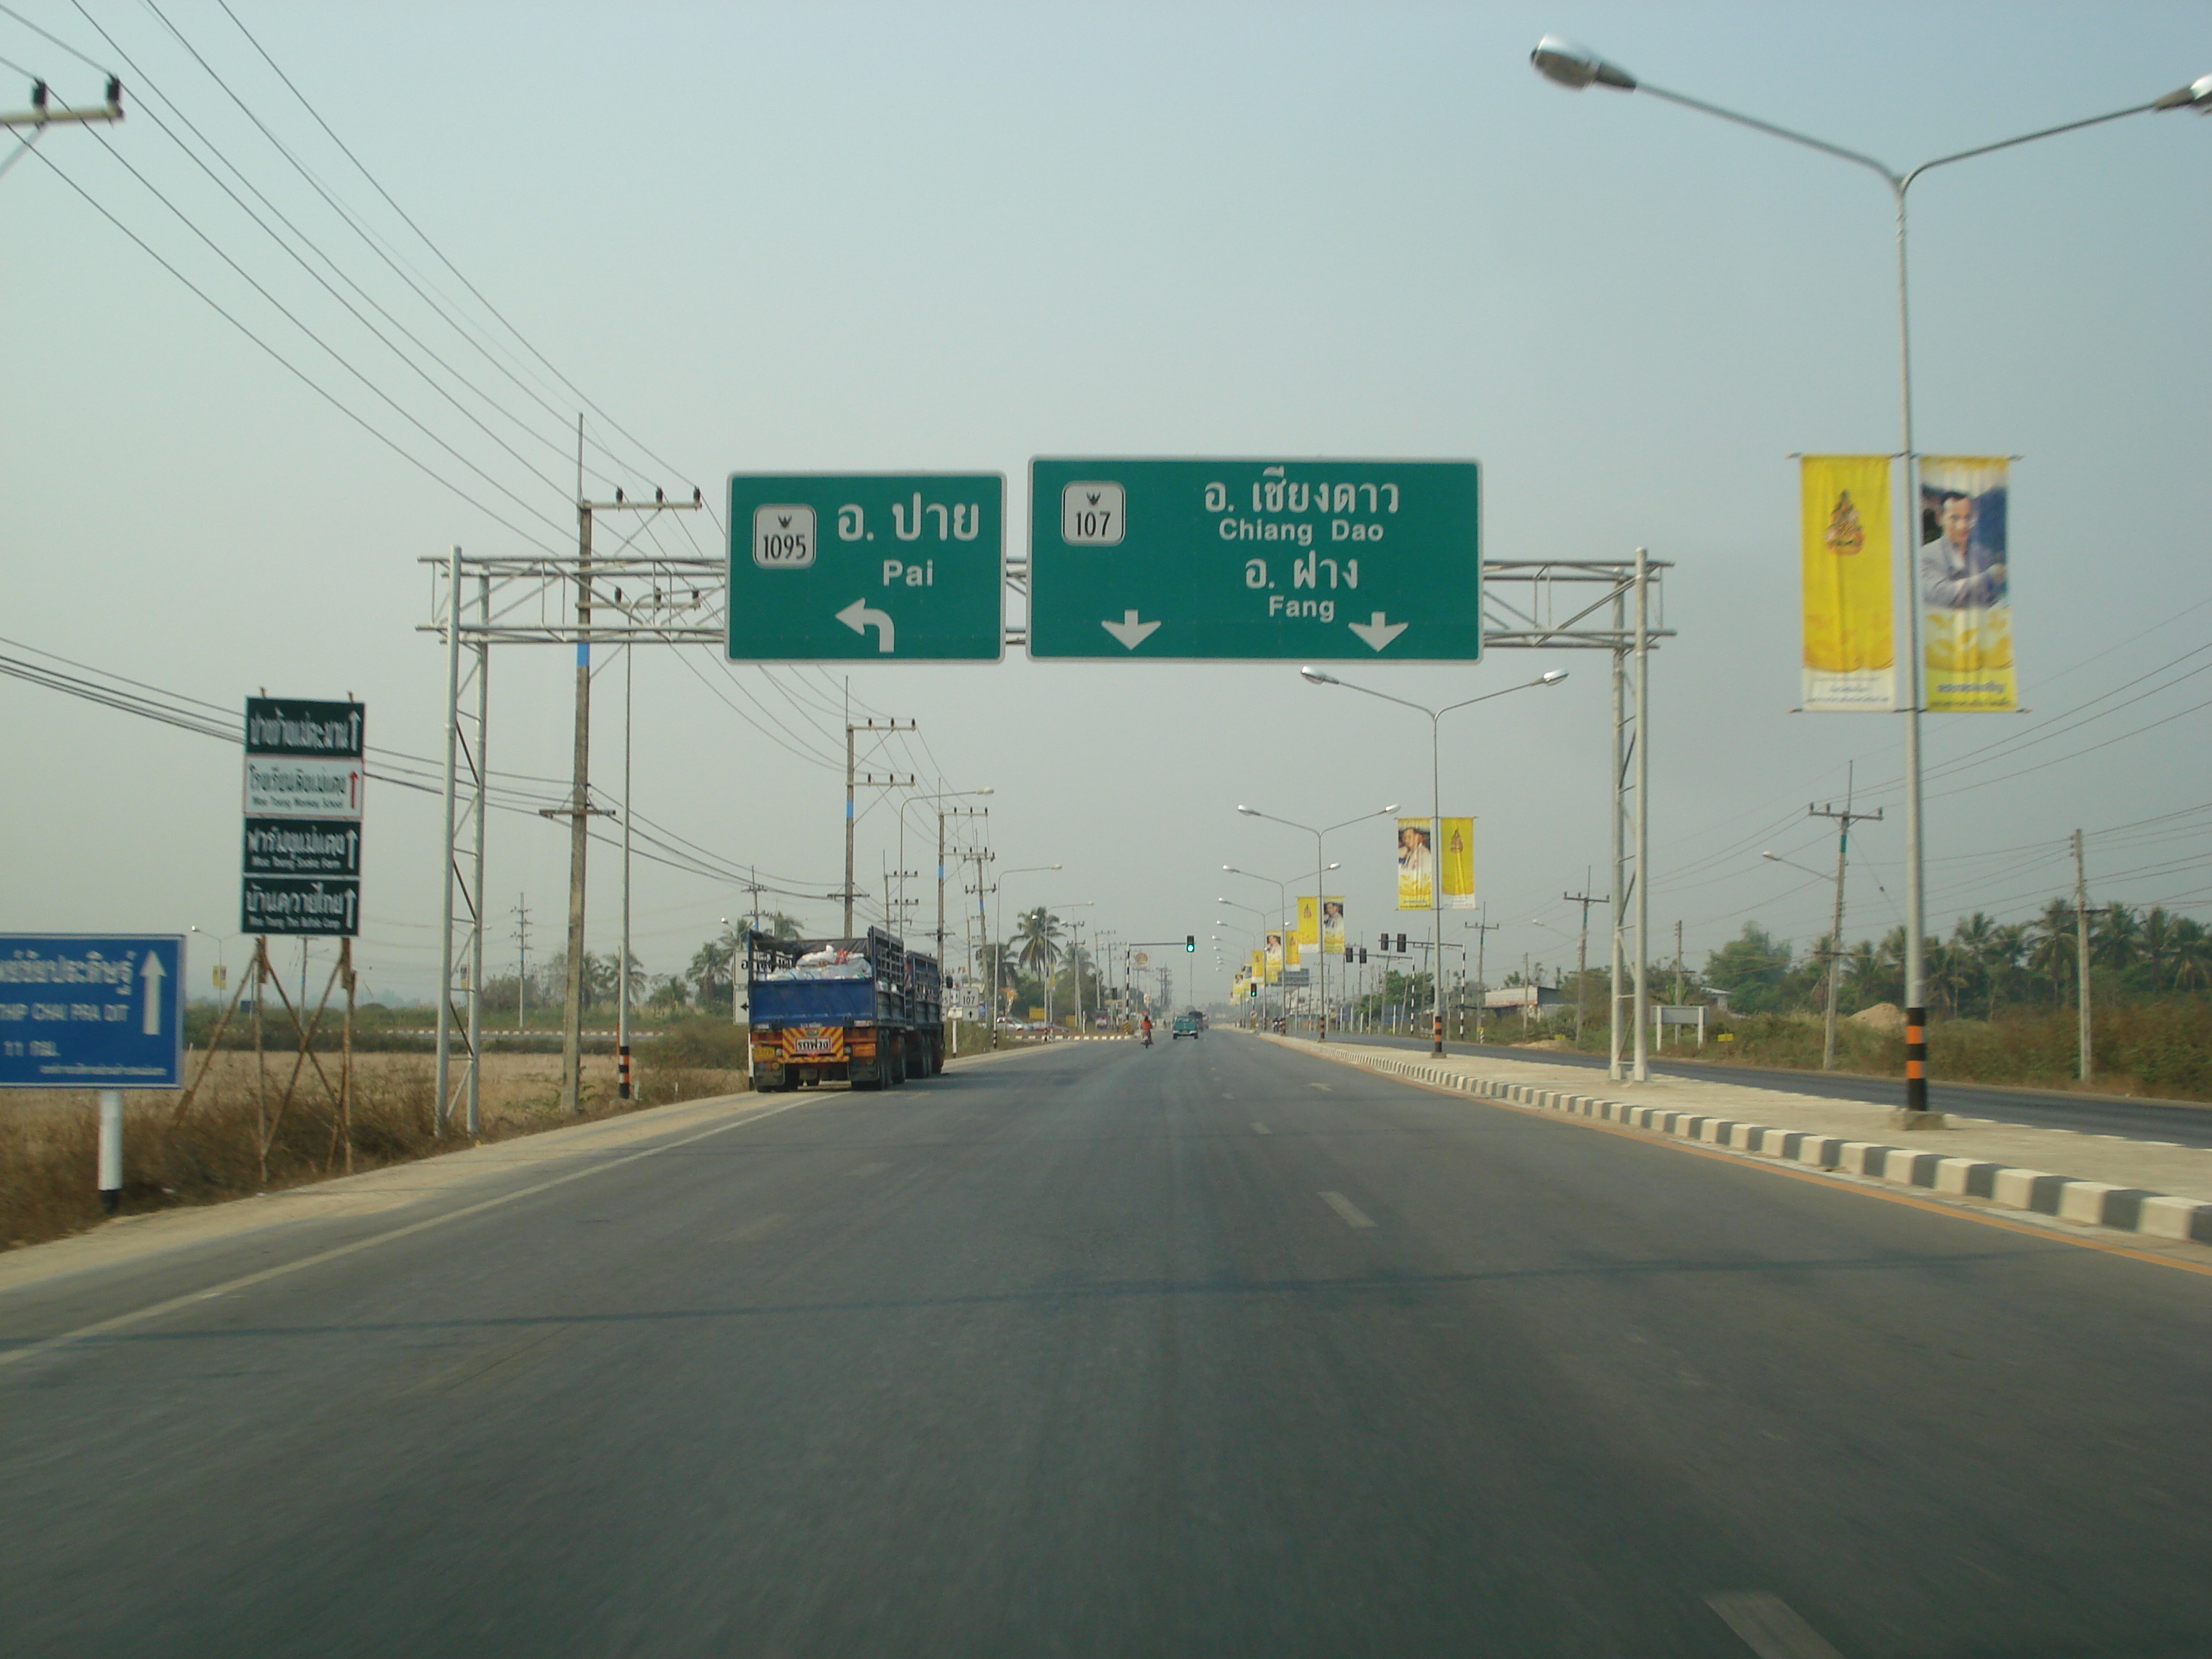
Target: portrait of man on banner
[1273, 943]
[1332, 925]
[1964, 579]
[1417, 865]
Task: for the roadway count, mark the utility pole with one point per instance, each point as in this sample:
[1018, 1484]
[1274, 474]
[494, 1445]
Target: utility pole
[870, 780]
[579, 811]
[1585, 898]
[1843, 819]
[2082, 914]
[1482, 930]
[521, 915]
[1678, 966]
[42, 114]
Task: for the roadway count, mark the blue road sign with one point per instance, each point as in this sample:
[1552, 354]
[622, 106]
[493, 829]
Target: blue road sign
[92, 1010]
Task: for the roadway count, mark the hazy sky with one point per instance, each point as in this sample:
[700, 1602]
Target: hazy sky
[939, 237]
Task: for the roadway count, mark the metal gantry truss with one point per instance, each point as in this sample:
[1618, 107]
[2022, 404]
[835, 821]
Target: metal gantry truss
[1572, 605]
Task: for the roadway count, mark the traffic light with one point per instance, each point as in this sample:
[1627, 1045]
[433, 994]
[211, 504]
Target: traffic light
[1385, 947]
[1363, 955]
[1190, 941]
[1401, 945]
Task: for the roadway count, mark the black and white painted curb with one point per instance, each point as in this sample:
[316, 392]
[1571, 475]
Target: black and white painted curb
[2094, 1203]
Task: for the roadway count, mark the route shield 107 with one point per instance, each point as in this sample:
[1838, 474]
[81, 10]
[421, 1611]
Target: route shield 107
[1255, 560]
[866, 567]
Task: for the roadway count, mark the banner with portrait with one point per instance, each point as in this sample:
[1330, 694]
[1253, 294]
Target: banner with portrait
[1843, 567]
[1309, 929]
[1459, 864]
[1274, 946]
[1417, 865]
[1964, 579]
[1332, 923]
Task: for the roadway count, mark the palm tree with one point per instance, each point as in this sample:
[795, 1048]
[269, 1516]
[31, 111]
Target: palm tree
[2116, 940]
[780, 925]
[2193, 955]
[1036, 938]
[2050, 947]
[2157, 949]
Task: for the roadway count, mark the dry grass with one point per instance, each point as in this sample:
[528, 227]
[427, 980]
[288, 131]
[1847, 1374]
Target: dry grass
[49, 1140]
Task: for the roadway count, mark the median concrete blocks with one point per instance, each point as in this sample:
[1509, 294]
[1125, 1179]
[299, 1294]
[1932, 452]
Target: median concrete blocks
[1965, 1177]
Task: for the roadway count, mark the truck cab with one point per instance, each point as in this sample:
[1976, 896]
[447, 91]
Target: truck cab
[1186, 1025]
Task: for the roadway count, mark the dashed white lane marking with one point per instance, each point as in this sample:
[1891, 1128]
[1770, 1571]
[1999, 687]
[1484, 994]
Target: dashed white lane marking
[1347, 1210]
[1769, 1627]
[1259, 1128]
[1325, 1088]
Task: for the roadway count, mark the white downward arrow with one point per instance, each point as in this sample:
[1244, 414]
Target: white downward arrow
[860, 618]
[1377, 632]
[152, 972]
[1131, 632]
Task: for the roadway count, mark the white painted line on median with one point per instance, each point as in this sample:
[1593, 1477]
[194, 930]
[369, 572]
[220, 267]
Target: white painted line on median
[1347, 1211]
[229, 1286]
[1770, 1626]
[1259, 1128]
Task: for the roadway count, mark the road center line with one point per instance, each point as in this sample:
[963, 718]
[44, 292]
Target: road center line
[101, 1327]
[1769, 1627]
[1259, 1128]
[1347, 1211]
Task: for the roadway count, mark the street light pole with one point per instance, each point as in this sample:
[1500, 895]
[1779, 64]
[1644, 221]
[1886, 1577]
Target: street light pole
[1321, 875]
[1550, 677]
[998, 948]
[1575, 68]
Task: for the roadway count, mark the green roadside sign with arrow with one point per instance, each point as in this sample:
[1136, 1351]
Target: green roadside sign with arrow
[866, 567]
[1312, 560]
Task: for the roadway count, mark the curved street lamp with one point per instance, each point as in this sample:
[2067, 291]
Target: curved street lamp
[1574, 67]
[1550, 677]
[1321, 933]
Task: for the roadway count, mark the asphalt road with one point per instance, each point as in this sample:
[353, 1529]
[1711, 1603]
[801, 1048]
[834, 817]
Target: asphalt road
[2178, 1124]
[1211, 1349]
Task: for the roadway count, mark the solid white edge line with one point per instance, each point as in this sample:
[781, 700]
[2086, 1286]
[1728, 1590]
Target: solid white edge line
[154, 1310]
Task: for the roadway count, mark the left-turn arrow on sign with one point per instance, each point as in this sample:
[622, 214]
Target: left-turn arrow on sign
[859, 617]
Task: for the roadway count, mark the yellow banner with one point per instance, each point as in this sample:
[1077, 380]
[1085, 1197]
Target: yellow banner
[1417, 865]
[1459, 864]
[1963, 574]
[1851, 658]
[1332, 923]
[1308, 921]
[1290, 950]
[1274, 957]
[1259, 964]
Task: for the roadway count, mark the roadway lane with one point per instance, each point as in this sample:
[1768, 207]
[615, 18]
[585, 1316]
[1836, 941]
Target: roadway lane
[1211, 1349]
[2176, 1124]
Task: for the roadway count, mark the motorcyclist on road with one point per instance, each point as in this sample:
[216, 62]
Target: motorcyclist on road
[1148, 1030]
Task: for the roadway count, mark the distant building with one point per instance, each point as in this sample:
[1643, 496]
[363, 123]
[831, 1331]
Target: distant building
[1525, 997]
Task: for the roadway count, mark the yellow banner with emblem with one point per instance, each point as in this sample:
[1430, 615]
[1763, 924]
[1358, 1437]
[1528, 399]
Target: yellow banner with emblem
[1843, 564]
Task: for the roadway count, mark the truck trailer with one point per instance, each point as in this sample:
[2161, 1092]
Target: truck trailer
[867, 1012]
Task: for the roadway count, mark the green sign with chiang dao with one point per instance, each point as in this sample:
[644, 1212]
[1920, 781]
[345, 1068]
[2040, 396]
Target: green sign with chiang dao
[866, 567]
[1317, 561]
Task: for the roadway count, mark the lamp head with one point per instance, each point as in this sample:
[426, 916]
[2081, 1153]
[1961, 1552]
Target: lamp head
[985, 790]
[1576, 67]
[1249, 811]
[1552, 676]
[1318, 677]
[1387, 811]
[1777, 857]
[2196, 95]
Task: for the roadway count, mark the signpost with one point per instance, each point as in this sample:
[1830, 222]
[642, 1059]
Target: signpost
[93, 1010]
[866, 567]
[1255, 561]
[304, 782]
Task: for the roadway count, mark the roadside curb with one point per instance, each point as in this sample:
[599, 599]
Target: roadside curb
[2039, 1191]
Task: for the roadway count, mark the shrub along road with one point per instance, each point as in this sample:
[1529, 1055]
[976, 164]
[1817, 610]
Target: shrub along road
[1093, 1350]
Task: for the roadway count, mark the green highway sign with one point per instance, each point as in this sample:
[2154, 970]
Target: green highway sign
[1255, 560]
[866, 567]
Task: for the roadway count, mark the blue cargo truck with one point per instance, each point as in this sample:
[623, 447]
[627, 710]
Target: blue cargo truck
[867, 1012]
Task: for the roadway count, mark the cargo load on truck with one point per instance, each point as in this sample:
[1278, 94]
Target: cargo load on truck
[865, 1012]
